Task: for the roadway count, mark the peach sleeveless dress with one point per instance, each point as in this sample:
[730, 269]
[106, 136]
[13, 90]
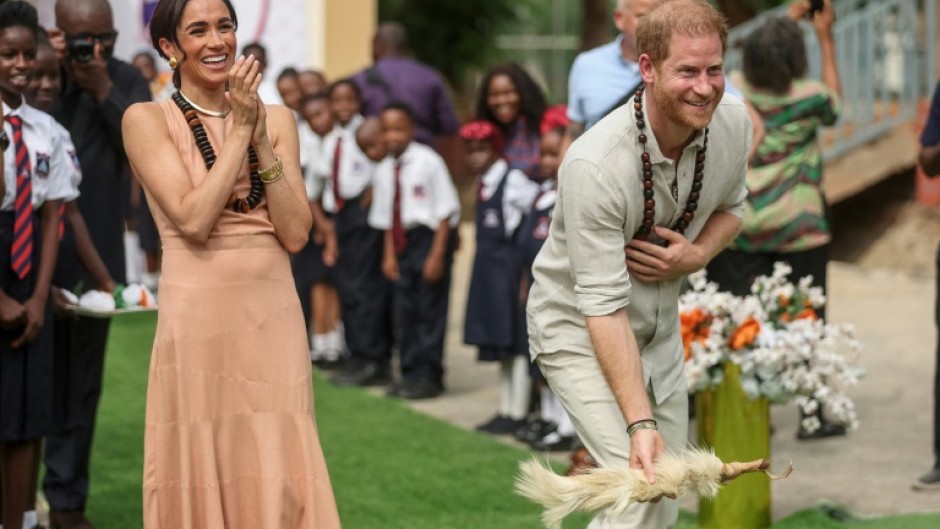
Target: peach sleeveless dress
[230, 438]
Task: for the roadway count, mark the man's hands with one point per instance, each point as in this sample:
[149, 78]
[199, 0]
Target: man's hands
[91, 76]
[645, 448]
[650, 262]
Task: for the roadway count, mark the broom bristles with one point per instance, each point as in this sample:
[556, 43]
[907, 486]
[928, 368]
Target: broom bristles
[615, 489]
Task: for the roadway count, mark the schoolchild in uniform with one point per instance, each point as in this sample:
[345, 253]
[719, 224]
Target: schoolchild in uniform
[314, 278]
[43, 90]
[37, 173]
[493, 320]
[415, 202]
[355, 247]
[553, 430]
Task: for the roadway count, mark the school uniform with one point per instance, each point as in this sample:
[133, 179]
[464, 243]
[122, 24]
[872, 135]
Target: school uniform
[307, 265]
[46, 173]
[364, 293]
[534, 228]
[493, 321]
[412, 194]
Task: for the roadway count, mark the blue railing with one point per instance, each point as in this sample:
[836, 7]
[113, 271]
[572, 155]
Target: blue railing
[886, 52]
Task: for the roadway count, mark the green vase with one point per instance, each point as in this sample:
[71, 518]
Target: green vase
[738, 429]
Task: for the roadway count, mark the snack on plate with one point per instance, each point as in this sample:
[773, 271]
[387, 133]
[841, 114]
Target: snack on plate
[97, 300]
[133, 296]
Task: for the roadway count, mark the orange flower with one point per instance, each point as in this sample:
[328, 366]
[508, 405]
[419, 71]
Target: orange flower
[745, 334]
[695, 327]
[807, 314]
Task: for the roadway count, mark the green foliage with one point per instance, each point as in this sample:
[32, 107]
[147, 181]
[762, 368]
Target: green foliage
[452, 35]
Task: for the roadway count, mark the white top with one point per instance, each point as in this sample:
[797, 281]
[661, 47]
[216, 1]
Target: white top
[356, 170]
[548, 196]
[53, 170]
[311, 159]
[517, 195]
[268, 93]
[428, 194]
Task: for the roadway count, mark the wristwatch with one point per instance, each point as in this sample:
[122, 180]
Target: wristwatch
[4, 140]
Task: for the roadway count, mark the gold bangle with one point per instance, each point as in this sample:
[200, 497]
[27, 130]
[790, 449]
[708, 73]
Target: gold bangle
[272, 174]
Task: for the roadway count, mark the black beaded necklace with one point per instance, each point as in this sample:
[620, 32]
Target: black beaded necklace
[649, 205]
[238, 204]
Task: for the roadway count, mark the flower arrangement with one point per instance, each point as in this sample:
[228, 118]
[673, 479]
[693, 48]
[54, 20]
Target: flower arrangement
[784, 351]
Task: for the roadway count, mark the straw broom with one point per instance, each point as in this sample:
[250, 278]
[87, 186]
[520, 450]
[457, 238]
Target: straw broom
[615, 489]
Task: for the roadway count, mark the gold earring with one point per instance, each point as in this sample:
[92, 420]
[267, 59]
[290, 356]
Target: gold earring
[174, 63]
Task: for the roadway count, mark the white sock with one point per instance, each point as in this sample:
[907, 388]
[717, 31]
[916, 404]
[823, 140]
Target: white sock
[548, 410]
[340, 339]
[320, 349]
[30, 519]
[505, 387]
[558, 415]
[521, 387]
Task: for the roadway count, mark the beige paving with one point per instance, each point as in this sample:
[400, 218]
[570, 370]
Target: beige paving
[871, 470]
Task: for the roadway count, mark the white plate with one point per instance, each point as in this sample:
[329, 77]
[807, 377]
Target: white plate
[95, 313]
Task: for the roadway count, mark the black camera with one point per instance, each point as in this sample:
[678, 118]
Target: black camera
[81, 49]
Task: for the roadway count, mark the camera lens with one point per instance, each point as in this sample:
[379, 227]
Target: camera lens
[81, 50]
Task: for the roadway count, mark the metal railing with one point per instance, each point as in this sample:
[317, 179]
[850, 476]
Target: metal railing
[885, 50]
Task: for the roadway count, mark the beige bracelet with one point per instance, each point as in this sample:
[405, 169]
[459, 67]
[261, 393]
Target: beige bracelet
[272, 174]
[648, 424]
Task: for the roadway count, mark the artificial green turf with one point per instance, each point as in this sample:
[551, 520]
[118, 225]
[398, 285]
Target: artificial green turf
[390, 466]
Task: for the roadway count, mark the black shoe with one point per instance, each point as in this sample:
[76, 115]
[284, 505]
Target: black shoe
[534, 431]
[417, 390]
[928, 482]
[364, 374]
[501, 425]
[330, 365]
[826, 429]
[554, 442]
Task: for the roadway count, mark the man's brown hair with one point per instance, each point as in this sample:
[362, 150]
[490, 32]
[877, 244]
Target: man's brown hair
[692, 18]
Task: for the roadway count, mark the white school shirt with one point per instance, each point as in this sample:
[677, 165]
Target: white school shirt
[356, 170]
[311, 160]
[518, 193]
[52, 169]
[428, 194]
[549, 194]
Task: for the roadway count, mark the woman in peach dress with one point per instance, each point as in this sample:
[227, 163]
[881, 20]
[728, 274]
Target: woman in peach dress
[230, 438]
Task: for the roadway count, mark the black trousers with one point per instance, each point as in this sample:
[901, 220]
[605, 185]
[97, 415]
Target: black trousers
[79, 365]
[936, 380]
[734, 271]
[420, 309]
[364, 292]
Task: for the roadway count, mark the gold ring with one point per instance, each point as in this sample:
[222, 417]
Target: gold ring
[253, 96]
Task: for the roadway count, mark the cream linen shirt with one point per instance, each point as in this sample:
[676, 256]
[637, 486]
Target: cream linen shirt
[581, 269]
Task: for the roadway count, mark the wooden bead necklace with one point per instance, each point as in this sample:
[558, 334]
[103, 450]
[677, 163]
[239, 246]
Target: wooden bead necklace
[238, 204]
[649, 204]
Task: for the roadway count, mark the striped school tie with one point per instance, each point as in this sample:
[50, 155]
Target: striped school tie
[398, 229]
[22, 251]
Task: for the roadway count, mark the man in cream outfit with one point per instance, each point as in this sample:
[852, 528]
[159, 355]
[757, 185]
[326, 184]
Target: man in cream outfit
[604, 329]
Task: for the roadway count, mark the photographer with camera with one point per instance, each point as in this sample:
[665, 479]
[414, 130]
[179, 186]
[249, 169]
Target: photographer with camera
[97, 89]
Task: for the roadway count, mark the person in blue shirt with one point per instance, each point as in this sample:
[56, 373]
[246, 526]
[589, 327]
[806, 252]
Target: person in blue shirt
[603, 78]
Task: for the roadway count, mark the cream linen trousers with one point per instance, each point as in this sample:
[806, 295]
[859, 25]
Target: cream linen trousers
[577, 380]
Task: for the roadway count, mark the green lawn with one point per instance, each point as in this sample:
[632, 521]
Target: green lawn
[391, 467]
